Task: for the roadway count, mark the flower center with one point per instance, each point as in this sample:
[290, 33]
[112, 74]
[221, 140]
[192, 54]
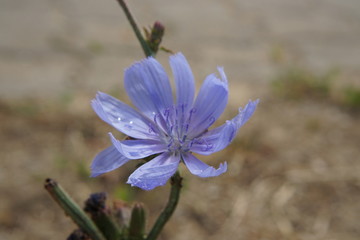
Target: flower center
[175, 122]
[177, 145]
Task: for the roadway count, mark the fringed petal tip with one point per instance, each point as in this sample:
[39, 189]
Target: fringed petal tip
[201, 169]
[209, 104]
[98, 97]
[140, 63]
[95, 104]
[177, 55]
[251, 105]
[99, 94]
[219, 79]
[222, 74]
[151, 58]
[213, 172]
[245, 113]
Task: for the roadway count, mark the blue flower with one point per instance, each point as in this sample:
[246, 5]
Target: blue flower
[170, 129]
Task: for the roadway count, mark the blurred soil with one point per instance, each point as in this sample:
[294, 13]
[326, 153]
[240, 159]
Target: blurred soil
[294, 167]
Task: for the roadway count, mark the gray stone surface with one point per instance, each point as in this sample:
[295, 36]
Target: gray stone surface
[50, 47]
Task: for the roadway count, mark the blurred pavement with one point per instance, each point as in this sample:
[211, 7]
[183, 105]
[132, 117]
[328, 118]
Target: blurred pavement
[52, 47]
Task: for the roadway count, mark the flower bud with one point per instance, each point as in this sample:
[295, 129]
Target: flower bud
[137, 222]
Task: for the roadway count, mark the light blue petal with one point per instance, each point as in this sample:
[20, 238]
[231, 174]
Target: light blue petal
[245, 114]
[156, 172]
[210, 104]
[214, 140]
[106, 161]
[184, 81]
[220, 137]
[200, 168]
[123, 117]
[148, 87]
[136, 149]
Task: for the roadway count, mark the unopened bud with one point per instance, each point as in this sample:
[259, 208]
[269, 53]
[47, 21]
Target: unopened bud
[102, 216]
[137, 222]
[96, 203]
[155, 36]
[78, 234]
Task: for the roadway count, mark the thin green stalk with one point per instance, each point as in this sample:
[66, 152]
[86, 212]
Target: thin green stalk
[72, 209]
[176, 179]
[135, 28]
[169, 209]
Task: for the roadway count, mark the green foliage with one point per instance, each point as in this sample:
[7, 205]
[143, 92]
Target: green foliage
[296, 83]
[25, 109]
[351, 98]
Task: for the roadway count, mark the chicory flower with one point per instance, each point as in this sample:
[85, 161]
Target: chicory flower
[170, 129]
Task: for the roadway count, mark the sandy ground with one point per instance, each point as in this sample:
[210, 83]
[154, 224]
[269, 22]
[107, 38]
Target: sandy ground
[294, 168]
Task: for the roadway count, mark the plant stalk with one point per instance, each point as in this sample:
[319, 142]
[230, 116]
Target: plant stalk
[135, 28]
[169, 209]
[72, 210]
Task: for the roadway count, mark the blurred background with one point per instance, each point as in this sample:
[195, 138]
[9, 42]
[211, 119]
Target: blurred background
[294, 167]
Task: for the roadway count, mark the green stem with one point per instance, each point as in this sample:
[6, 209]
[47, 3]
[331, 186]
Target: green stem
[135, 28]
[176, 179]
[72, 209]
[169, 209]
